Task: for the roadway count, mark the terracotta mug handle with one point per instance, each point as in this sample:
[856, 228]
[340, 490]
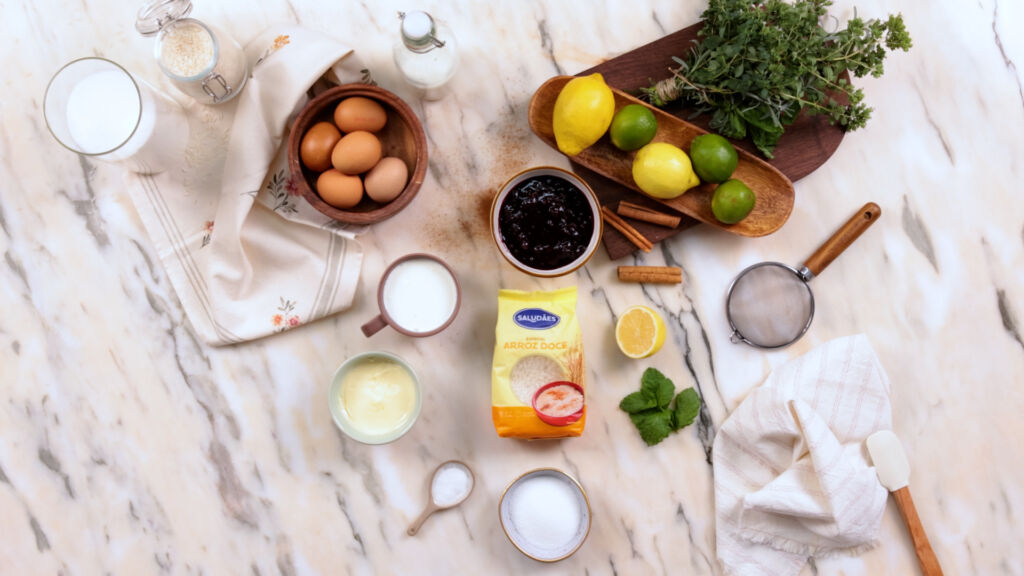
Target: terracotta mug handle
[374, 326]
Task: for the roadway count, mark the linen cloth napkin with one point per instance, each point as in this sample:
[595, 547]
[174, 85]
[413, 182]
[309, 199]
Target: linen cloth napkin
[246, 254]
[792, 477]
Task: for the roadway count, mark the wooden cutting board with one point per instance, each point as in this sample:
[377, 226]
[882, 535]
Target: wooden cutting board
[805, 146]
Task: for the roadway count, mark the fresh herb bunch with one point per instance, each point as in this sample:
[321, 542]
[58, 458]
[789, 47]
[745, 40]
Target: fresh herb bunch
[760, 62]
[652, 411]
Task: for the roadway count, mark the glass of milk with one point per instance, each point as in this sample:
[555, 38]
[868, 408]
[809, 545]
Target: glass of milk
[418, 296]
[95, 108]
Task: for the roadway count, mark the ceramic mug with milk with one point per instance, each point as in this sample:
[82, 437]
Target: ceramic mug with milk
[418, 296]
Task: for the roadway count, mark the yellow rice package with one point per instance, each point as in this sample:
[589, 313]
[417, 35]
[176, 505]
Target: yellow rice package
[537, 379]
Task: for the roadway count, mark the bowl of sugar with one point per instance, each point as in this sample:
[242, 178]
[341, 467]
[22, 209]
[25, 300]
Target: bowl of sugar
[546, 514]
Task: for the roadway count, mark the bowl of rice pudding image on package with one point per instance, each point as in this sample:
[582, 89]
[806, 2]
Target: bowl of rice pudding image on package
[538, 348]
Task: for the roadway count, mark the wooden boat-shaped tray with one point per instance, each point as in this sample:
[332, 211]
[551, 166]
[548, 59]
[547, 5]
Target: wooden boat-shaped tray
[807, 144]
[773, 190]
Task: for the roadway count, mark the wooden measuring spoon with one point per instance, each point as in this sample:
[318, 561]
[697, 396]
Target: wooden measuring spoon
[432, 505]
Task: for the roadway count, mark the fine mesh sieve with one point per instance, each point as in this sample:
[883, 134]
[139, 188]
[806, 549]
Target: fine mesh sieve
[770, 305]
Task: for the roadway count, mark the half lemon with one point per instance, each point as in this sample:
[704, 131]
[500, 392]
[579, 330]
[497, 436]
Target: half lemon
[639, 332]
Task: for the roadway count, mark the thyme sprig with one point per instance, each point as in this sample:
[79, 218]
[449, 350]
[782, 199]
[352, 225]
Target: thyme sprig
[760, 63]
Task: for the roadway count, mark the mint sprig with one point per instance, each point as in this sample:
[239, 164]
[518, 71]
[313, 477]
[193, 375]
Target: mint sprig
[652, 411]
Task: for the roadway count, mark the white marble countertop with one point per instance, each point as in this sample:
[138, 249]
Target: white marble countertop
[126, 447]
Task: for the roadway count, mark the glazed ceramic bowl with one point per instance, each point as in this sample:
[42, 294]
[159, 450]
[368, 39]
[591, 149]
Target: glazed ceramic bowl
[401, 137]
[340, 416]
[592, 202]
[544, 551]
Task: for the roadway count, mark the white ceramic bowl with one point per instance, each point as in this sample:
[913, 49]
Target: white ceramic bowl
[544, 552]
[340, 416]
[595, 208]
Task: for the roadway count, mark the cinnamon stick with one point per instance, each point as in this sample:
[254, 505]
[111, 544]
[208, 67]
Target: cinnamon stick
[651, 274]
[631, 234]
[645, 214]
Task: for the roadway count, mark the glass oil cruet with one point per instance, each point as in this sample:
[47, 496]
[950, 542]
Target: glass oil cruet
[427, 54]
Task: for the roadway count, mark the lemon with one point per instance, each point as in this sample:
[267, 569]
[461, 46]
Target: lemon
[663, 170]
[583, 112]
[639, 332]
[632, 127]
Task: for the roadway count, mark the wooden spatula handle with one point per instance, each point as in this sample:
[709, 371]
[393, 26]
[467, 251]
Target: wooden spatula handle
[923, 549]
[842, 239]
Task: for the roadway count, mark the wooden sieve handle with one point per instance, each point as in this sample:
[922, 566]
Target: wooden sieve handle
[843, 237]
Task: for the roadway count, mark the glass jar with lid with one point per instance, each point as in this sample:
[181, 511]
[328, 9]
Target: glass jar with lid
[201, 60]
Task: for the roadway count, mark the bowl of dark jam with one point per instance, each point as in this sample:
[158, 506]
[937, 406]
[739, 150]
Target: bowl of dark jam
[546, 221]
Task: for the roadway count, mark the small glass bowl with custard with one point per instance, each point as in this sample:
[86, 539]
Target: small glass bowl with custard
[375, 397]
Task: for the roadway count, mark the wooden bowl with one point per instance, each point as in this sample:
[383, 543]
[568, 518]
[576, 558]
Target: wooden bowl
[774, 191]
[402, 137]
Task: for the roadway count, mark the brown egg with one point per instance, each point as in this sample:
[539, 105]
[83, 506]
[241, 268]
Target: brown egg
[339, 190]
[356, 153]
[387, 180]
[317, 145]
[359, 113]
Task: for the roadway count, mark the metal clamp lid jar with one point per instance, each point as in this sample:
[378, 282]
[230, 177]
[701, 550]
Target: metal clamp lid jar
[200, 60]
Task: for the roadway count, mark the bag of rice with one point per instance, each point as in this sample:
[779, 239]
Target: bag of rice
[538, 345]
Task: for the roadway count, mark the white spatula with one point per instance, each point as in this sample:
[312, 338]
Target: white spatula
[894, 473]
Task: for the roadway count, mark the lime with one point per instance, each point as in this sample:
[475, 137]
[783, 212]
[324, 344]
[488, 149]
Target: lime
[583, 111]
[732, 201]
[663, 171]
[714, 158]
[633, 126]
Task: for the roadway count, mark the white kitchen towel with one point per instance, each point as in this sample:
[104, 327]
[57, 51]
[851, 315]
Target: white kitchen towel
[245, 252]
[792, 477]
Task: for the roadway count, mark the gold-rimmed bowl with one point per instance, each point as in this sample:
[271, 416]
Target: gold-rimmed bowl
[544, 551]
[592, 203]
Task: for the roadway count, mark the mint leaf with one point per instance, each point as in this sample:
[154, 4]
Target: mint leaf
[649, 408]
[686, 409]
[638, 402]
[658, 386]
[654, 425]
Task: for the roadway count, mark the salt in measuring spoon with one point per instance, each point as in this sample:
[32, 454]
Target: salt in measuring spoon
[450, 485]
